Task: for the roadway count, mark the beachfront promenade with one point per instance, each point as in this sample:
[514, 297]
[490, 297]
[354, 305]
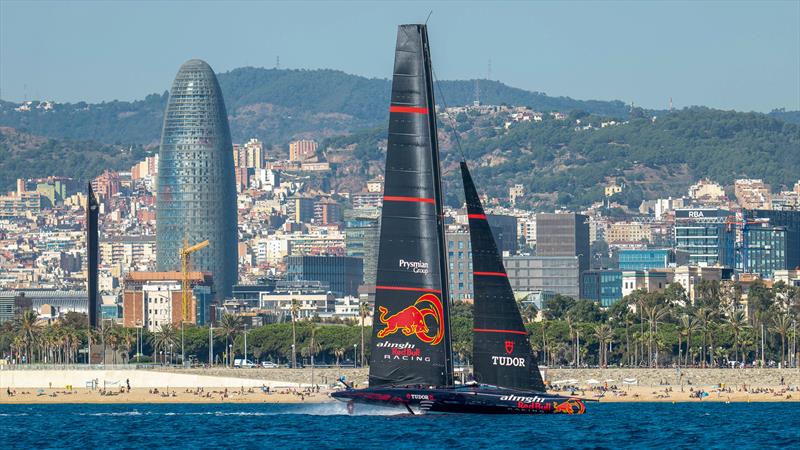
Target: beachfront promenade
[43, 376]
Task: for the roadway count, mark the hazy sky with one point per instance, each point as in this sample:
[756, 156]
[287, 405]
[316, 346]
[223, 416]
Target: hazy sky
[730, 55]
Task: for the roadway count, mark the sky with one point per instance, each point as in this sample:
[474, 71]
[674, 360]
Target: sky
[731, 55]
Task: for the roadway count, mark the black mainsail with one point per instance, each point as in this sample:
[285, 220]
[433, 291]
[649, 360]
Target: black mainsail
[411, 337]
[502, 355]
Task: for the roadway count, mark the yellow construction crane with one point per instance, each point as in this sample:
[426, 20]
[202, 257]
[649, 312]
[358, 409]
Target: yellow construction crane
[185, 252]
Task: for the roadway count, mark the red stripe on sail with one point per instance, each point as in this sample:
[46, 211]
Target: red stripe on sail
[393, 198]
[401, 288]
[486, 330]
[491, 274]
[408, 109]
[476, 216]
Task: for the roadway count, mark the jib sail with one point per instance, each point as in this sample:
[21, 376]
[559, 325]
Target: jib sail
[502, 354]
[411, 336]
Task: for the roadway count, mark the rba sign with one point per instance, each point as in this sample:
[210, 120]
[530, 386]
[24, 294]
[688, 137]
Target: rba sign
[414, 266]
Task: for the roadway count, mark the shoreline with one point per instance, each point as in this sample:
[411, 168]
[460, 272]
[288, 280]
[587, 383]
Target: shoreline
[258, 386]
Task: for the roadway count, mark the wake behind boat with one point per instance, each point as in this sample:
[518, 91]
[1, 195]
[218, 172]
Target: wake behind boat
[411, 359]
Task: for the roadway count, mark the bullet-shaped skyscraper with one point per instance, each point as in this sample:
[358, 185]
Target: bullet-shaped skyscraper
[196, 182]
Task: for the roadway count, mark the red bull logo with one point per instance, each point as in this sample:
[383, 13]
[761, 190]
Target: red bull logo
[569, 406]
[412, 320]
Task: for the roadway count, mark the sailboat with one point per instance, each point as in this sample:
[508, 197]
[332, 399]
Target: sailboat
[411, 363]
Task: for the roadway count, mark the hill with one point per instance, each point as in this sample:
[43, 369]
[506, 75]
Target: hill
[564, 164]
[273, 105]
[23, 155]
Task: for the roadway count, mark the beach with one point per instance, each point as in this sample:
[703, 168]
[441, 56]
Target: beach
[222, 385]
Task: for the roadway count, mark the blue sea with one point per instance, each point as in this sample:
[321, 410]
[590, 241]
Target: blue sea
[322, 426]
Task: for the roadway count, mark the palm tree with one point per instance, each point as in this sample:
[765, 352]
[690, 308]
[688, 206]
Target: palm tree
[705, 317]
[294, 309]
[28, 331]
[127, 337]
[736, 323]
[165, 338]
[687, 326]
[781, 324]
[655, 315]
[339, 353]
[604, 335]
[229, 327]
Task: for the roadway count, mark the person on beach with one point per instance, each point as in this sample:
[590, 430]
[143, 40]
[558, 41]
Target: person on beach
[128, 384]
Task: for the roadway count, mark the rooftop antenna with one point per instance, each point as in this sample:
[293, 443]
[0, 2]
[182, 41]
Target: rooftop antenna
[278, 62]
[670, 104]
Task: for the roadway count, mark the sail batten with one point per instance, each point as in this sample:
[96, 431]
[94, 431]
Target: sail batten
[411, 338]
[502, 354]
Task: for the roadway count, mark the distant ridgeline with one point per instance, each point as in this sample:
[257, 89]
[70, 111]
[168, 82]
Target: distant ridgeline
[272, 105]
[560, 161]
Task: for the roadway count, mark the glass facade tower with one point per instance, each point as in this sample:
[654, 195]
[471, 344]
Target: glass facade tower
[196, 197]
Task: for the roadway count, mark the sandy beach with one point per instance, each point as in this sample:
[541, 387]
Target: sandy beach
[221, 385]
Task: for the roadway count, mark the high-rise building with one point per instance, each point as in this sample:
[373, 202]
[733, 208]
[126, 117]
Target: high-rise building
[706, 235]
[196, 190]
[362, 230]
[602, 286]
[459, 257]
[504, 231]
[770, 241]
[302, 150]
[343, 274]
[300, 209]
[563, 234]
[556, 274]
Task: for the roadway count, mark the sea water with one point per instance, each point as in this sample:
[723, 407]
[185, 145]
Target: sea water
[698, 425]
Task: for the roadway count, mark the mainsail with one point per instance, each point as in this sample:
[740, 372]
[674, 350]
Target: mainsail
[411, 337]
[502, 354]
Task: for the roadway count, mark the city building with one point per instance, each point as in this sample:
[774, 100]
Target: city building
[20, 204]
[628, 232]
[327, 211]
[57, 302]
[362, 231]
[344, 274]
[459, 257]
[310, 299]
[706, 191]
[196, 198]
[603, 286]
[516, 192]
[650, 258]
[302, 150]
[707, 235]
[563, 234]
[558, 274]
[504, 231]
[154, 299]
[300, 209]
[752, 194]
[770, 241]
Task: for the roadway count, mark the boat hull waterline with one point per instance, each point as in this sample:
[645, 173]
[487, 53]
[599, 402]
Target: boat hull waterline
[479, 400]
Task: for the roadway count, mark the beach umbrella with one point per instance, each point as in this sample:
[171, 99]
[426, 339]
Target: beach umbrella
[610, 380]
[630, 381]
[592, 381]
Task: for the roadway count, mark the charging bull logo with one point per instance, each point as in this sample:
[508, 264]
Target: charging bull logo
[569, 406]
[412, 320]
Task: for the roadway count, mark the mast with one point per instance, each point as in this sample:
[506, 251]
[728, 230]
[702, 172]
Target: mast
[411, 337]
[502, 354]
[92, 231]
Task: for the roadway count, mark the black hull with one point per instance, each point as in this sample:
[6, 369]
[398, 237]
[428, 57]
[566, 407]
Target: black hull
[464, 400]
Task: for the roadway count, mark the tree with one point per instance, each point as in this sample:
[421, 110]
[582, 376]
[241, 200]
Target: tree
[556, 308]
[781, 324]
[28, 330]
[165, 338]
[604, 335]
[363, 311]
[736, 323]
[229, 327]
